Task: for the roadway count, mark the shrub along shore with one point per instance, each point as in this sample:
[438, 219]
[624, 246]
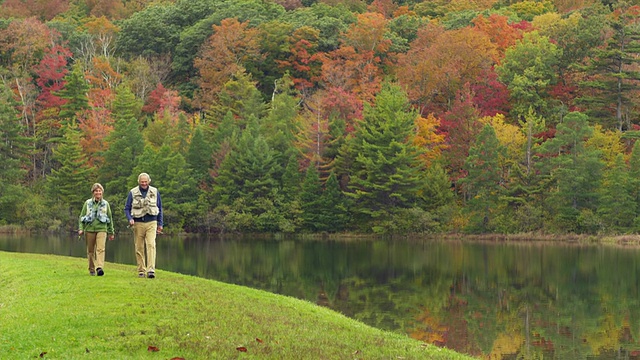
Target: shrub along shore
[51, 308]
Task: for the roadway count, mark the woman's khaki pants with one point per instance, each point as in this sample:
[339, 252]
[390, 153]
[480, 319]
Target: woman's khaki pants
[96, 244]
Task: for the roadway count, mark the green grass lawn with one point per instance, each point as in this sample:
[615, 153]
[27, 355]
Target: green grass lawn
[51, 308]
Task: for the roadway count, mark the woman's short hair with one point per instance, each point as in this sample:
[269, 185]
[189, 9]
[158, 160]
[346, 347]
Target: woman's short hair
[96, 186]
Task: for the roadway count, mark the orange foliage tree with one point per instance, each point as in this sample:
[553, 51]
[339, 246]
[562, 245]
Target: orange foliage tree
[104, 80]
[232, 44]
[355, 66]
[500, 32]
[103, 32]
[440, 62]
[303, 64]
[44, 10]
[95, 125]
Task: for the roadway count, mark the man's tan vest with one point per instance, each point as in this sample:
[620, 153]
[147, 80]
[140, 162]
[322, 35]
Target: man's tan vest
[141, 206]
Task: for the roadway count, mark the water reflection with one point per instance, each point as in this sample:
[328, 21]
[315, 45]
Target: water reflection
[498, 301]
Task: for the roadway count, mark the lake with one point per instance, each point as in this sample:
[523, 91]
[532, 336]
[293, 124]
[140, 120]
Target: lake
[488, 299]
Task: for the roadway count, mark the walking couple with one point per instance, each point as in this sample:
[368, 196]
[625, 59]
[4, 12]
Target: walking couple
[143, 210]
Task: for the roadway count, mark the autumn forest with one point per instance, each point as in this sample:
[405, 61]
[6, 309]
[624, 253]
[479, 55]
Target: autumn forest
[314, 116]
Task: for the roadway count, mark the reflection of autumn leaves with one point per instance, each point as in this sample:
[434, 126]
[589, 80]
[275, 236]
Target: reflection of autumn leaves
[450, 330]
[505, 344]
[430, 330]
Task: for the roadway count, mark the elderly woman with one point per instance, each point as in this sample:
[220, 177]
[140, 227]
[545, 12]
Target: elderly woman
[95, 223]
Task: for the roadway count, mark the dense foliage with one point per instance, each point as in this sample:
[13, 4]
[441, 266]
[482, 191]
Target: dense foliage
[316, 115]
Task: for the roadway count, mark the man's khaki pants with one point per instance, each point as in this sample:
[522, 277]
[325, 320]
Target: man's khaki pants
[96, 244]
[144, 234]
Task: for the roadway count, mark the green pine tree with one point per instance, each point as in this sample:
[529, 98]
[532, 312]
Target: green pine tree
[617, 207]
[179, 136]
[156, 131]
[291, 180]
[334, 207]
[613, 73]
[248, 182]
[576, 171]
[524, 199]
[126, 144]
[280, 126]
[482, 184]
[14, 150]
[634, 178]
[240, 97]
[75, 92]
[387, 173]
[69, 183]
[335, 140]
[199, 156]
[310, 194]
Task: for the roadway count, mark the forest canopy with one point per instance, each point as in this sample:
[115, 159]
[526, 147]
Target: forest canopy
[290, 116]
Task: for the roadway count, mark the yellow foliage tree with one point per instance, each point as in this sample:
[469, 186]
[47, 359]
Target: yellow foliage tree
[510, 136]
[427, 138]
[609, 142]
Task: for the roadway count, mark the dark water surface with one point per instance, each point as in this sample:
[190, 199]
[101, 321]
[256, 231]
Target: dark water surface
[491, 300]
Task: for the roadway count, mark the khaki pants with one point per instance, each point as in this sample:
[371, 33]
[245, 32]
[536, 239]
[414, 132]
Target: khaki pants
[96, 244]
[144, 235]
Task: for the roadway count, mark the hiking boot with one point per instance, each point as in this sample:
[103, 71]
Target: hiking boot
[141, 275]
[100, 271]
[151, 275]
[92, 273]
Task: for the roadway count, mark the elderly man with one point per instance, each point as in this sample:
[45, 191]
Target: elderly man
[143, 209]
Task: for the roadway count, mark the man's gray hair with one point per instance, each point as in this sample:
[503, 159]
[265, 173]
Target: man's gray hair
[144, 175]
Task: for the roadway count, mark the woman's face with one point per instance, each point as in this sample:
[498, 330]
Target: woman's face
[97, 194]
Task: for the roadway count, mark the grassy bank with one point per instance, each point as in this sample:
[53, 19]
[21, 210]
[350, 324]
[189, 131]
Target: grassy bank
[51, 308]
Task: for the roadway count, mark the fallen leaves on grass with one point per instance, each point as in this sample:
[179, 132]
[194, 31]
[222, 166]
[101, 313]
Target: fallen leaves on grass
[42, 354]
[241, 349]
[152, 348]
[259, 340]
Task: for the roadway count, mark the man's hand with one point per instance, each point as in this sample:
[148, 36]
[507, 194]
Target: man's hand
[111, 237]
[131, 222]
[159, 231]
[80, 232]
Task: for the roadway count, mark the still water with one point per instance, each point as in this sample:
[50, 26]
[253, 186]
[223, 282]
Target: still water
[490, 300]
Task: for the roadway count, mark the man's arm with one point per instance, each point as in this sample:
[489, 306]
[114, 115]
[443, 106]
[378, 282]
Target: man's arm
[160, 217]
[127, 207]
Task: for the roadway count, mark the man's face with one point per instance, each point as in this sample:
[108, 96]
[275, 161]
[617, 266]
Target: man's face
[144, 182]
